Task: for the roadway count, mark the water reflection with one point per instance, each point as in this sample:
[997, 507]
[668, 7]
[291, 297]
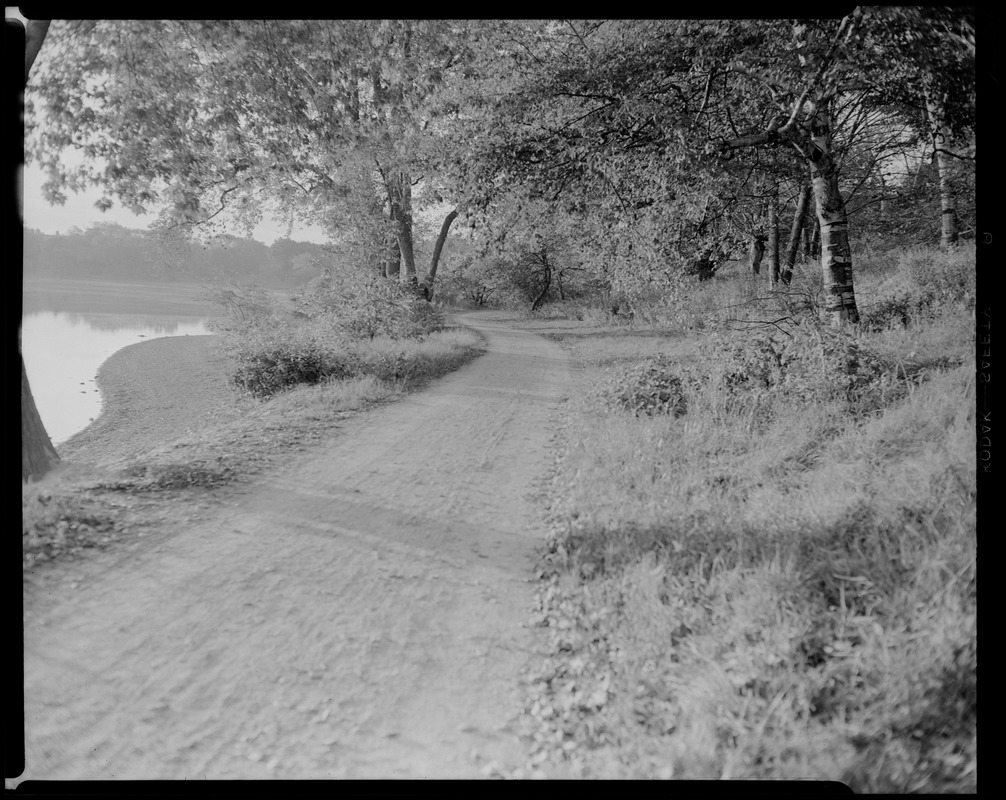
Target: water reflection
[62, 352]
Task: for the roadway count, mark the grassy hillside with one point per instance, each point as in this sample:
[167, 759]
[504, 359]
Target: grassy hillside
[762, 562]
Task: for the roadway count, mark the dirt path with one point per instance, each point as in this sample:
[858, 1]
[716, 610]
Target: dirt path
[360, 614]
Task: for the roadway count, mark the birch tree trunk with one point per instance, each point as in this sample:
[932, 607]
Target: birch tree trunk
[836, 253]
[946, 166]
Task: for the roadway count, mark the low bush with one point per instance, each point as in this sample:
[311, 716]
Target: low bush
[747, 370]
[362, 305]
[924, 282]
[319, 334]
[650, 386]
[811, 362]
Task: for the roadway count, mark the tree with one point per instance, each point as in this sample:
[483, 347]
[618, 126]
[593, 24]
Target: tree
[799, 221]
[38, 456]
[329, 121]
[645, 130]
[634, 125]
[930, 76]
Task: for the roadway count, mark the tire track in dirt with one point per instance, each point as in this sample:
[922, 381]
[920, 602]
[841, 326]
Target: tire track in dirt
[360, 613]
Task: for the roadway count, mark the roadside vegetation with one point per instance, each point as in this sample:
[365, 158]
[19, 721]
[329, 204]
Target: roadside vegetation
[303, 362]
[762, 561]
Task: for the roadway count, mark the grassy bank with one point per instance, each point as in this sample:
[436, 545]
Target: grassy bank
[80, 506]
[763, 553]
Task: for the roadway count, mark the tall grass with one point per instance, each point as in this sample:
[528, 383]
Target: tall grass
[770, 572]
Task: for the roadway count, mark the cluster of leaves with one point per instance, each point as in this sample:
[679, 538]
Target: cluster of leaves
[925, 281]
[649, 387]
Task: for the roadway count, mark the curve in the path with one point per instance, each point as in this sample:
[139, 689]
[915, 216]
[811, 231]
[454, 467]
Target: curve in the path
[359, 614]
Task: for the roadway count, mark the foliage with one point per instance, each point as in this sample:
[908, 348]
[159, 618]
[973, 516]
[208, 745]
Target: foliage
[650, 386]
[216, 121]
[813, 363]
[925, 282]
[317, 335]
[789, 599]
[362, 304]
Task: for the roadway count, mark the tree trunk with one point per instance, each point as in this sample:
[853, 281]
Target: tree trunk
[438, 248]
[756, 252]
[405, 244]
[773, 236]
[393, 263]
[546, 284]
[947, 167]
[799, 226]
[34, 34]
[836, 253]
[393, 259]
[38, 456]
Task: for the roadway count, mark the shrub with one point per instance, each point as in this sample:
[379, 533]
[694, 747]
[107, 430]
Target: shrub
[269, 369]
[926, 281]
[810, 362]
[316, 339]
[362, 305]
[649, 387]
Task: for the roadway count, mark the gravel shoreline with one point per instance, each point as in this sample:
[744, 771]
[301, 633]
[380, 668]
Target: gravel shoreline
[152, 393]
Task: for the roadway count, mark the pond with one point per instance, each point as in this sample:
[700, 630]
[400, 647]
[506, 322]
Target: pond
[69, 328]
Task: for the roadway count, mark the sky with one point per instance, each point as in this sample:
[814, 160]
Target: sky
[79, 211]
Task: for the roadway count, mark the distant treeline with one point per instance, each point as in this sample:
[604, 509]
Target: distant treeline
[113, 252]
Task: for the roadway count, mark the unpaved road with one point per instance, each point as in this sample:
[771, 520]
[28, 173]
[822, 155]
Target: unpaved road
[361, 613]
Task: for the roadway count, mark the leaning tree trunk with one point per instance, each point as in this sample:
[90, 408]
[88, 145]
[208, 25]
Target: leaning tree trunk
[946, 167]
[773, 236]
[438, 248]
[38, 456]
[799, 227]
[836, 252]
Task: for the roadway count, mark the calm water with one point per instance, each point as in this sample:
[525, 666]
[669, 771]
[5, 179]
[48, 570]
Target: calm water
[63, 349]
